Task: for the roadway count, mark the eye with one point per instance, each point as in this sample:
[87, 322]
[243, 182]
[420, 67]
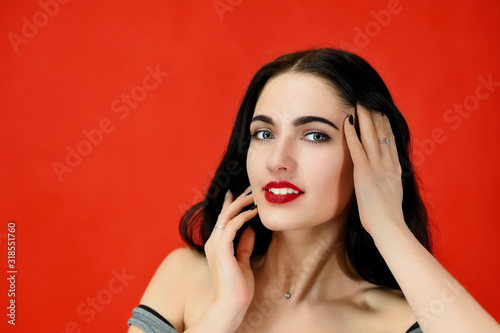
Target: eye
[316, 137]
[262, 135]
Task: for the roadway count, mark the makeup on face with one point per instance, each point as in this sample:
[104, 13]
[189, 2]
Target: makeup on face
[281, 192]
[298, 162]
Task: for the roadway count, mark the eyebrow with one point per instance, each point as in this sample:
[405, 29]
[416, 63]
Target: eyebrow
[297, 122]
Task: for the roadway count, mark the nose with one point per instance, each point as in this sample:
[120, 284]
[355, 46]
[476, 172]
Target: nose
[281, 158]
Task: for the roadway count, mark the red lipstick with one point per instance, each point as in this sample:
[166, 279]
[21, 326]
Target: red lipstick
[281, 192]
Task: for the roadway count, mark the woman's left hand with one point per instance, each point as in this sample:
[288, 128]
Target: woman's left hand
[377, 171]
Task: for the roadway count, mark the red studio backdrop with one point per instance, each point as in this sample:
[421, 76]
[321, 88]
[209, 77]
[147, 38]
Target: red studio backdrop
[114, 115]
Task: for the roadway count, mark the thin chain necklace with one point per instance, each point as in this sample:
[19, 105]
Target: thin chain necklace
[287, 293]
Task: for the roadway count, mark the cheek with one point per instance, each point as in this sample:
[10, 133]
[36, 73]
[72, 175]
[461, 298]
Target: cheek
[334, 175]
[253, 163]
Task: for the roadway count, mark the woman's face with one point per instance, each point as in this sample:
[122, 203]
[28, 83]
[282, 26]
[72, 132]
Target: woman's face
[298, 163]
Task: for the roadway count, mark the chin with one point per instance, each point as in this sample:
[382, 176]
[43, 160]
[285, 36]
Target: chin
[282, 221]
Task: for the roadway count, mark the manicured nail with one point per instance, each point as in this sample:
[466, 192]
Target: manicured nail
[248, 193]
[253, 207]
[351, 119]
[227, 193]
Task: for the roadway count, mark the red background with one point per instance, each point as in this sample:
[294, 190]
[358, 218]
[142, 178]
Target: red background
[118, 210]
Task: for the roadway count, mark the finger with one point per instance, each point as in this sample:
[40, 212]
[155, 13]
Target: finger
[393, 147]
[355, 147]
[233, 208]
[227, 199]
[369, 138]
[245, 246]
[237, 222]
[379, 125]
[383, 152]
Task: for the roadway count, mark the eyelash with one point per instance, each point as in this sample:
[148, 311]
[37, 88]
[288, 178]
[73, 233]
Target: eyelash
[325, 139]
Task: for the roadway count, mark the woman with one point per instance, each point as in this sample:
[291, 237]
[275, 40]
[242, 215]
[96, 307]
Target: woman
[313, 221]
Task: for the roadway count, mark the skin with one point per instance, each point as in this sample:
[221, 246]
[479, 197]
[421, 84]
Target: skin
[225, 292]
[314, 156]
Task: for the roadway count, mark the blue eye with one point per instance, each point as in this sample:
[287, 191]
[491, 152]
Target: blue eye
[262, 135]
[316, 137]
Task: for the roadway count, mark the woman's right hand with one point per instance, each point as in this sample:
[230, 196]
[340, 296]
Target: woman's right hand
[232, 275]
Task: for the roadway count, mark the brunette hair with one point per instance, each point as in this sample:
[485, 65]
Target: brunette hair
[358, 83]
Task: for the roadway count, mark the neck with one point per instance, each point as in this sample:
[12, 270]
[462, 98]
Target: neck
[296, 261]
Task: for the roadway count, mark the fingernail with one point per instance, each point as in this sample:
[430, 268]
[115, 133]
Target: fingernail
[248, 188]
[253, 207]
[351, 119]
[248, 193]
[227, 193]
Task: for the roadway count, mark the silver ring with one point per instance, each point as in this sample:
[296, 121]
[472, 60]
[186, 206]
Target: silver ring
[219, 227]
[388, 141]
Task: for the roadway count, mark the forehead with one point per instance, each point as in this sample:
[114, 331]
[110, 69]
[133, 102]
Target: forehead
[291, 95]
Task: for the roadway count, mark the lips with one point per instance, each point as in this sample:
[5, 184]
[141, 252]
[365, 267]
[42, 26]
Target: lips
[281, 192]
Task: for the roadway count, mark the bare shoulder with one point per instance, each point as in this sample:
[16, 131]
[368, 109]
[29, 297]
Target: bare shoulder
[179, 262]
[391, 307]
[170, 288]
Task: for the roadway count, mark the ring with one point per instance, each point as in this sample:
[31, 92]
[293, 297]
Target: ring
[388, 141]
[219, 227]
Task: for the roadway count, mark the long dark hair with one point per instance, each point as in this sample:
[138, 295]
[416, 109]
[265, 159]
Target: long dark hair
[358, 83]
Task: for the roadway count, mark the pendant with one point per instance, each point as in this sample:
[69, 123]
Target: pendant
[287, 295]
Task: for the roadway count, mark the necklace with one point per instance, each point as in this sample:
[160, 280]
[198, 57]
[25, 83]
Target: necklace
[287, 293]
